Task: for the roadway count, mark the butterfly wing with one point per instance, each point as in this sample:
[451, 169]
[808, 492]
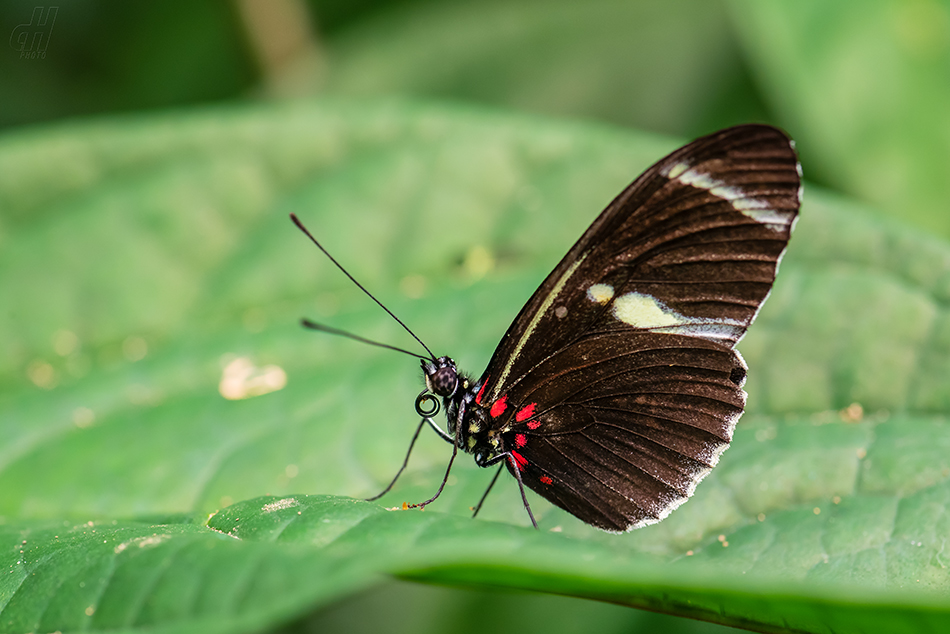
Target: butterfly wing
[622, 426]
[620, 371]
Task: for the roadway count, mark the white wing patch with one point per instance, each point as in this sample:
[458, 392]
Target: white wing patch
[600, 293]
[676, 170]
[645, 311]
[755, 208]
[648, 313]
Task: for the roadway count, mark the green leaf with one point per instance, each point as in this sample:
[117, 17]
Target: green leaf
[863, 87]
[123, 576]
[142, 257]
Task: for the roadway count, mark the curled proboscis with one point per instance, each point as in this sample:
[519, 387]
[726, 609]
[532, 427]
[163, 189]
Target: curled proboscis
[427, 405]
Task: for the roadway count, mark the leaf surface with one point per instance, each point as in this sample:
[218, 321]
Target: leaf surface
[142, 257]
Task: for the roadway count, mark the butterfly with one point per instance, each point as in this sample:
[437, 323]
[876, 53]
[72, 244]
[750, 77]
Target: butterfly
[618, 386]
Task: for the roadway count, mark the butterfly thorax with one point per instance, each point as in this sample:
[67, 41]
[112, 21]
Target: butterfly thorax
[468, 422]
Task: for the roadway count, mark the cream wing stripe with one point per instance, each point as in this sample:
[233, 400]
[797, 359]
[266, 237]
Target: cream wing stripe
[758, 209]
[548, 301]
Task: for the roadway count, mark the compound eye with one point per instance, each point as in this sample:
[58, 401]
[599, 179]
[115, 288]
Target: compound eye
[444, 381]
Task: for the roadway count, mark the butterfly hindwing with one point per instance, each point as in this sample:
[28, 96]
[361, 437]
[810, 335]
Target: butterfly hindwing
[619, 380]
[628, 421]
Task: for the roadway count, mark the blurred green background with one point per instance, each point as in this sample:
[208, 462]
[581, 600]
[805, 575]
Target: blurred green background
[863, 86]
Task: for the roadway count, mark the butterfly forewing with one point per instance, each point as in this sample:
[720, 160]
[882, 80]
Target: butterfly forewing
[691, 246]
[619, 379]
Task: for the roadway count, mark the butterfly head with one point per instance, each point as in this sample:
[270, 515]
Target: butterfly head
[441, 376]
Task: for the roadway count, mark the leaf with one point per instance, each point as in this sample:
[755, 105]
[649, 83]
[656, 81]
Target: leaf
[142, 257]
[126, 576]
[863, 86]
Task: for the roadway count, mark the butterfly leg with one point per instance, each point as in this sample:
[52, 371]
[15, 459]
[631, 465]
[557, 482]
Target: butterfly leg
[422, 505]
[517, 471]
[441, 432]
[524, 498]
[404, 462]
[478, 507]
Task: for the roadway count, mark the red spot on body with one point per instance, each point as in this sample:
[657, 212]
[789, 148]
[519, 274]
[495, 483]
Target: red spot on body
[498, 407]
[478, 397]
[546, 480]
[534, 424]
[520, 440]
[520, 460]
[525, 412]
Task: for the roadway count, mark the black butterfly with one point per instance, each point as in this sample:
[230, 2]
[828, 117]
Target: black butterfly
[617, 386]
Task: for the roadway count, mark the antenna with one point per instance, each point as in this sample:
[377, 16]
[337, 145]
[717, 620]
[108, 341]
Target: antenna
[306, 323]
[362, 288]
